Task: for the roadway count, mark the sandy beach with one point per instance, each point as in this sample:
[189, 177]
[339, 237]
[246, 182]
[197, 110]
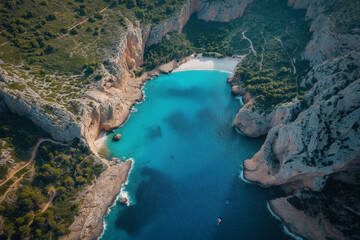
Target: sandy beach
[209, 63]
[100, 140]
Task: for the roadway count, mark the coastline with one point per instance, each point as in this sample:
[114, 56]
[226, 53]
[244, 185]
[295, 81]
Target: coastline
[93, 228]
[189, 63]
[97, 199]
[226, 64]
[269, 206]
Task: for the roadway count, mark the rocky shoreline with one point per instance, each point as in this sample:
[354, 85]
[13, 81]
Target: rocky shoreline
[97, 200]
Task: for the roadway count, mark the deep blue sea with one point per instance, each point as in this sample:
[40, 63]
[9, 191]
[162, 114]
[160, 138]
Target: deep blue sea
[188, 160]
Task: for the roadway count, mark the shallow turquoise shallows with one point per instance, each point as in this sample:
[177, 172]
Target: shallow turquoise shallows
[188, 160]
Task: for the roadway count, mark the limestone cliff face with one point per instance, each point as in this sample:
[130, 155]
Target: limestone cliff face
[225, 11]
[52, 117]
[324, 137]
[324, 44]
[118, 91]
[255, 124]
[112, 98]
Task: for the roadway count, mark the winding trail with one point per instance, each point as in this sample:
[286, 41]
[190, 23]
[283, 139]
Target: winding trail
[291, 61]
[251, 44]
[83, 21]
[47, 205]
[33, 154]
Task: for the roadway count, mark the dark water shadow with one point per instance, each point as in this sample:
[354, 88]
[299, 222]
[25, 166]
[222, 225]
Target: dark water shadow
[154, 132]
[189, 93]
[237, 222]
[179, 123]
[133, 218]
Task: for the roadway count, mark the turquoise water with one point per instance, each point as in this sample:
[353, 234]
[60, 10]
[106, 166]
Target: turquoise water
[187, 165]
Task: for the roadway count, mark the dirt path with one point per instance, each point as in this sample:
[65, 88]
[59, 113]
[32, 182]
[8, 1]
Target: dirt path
[83, 21]
[4, 43]
[13, 186]
[33, 154]
[261, 62]
[47, 205]
[291, 61]
[251, 44]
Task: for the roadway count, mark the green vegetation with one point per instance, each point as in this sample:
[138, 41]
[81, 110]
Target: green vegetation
[45, 203]
[278, 34]
[174, 48]
[336, 203]
[153, 11]
[19, 134]
[51, 44]
[344, 15]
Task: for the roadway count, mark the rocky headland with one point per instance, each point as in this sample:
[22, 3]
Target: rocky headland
[309, 142]
[108, 103]
[306, 141]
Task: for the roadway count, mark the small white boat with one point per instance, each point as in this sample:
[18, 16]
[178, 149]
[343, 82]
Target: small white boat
[219, 221]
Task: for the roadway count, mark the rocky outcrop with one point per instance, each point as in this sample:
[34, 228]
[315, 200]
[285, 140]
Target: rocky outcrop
[51, 117]
[97, 200]
[324, 44]
[304, 225]
[223, 11]
[253, 123]
[324, 138]
[317, 138]
[308, 142]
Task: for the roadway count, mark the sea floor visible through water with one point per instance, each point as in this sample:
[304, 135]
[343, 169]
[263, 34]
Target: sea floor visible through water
[187, 168]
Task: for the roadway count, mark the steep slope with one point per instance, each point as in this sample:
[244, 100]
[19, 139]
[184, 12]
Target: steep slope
[311, 139]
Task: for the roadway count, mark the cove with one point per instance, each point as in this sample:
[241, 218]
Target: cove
[188, 160]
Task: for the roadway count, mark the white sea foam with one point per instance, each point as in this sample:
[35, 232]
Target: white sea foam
[240, 100]
[286, 230]
[123, 193]
[241, 175]
[238, 131]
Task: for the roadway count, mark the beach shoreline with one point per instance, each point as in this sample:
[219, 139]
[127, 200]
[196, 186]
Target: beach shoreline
[189, 63]
[198, 63]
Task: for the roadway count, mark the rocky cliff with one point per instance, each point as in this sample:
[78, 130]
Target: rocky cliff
[111, 98]
[302, 137]
[52, 117]
[308, 142]
[209, 11]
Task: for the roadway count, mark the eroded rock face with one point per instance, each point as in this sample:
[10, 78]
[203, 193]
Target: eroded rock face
[305, 142]
[324, 44]
[112, 99]
[324, 138]
[53, 118]
[118, 90]
[209, 11]
[254, 124]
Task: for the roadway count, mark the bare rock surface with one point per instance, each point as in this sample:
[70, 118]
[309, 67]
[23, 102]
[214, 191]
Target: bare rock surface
[97, 199]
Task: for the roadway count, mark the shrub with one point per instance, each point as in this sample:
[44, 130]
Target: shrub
[74, 31]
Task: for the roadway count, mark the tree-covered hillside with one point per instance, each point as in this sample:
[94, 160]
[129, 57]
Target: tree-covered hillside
[269, 72]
